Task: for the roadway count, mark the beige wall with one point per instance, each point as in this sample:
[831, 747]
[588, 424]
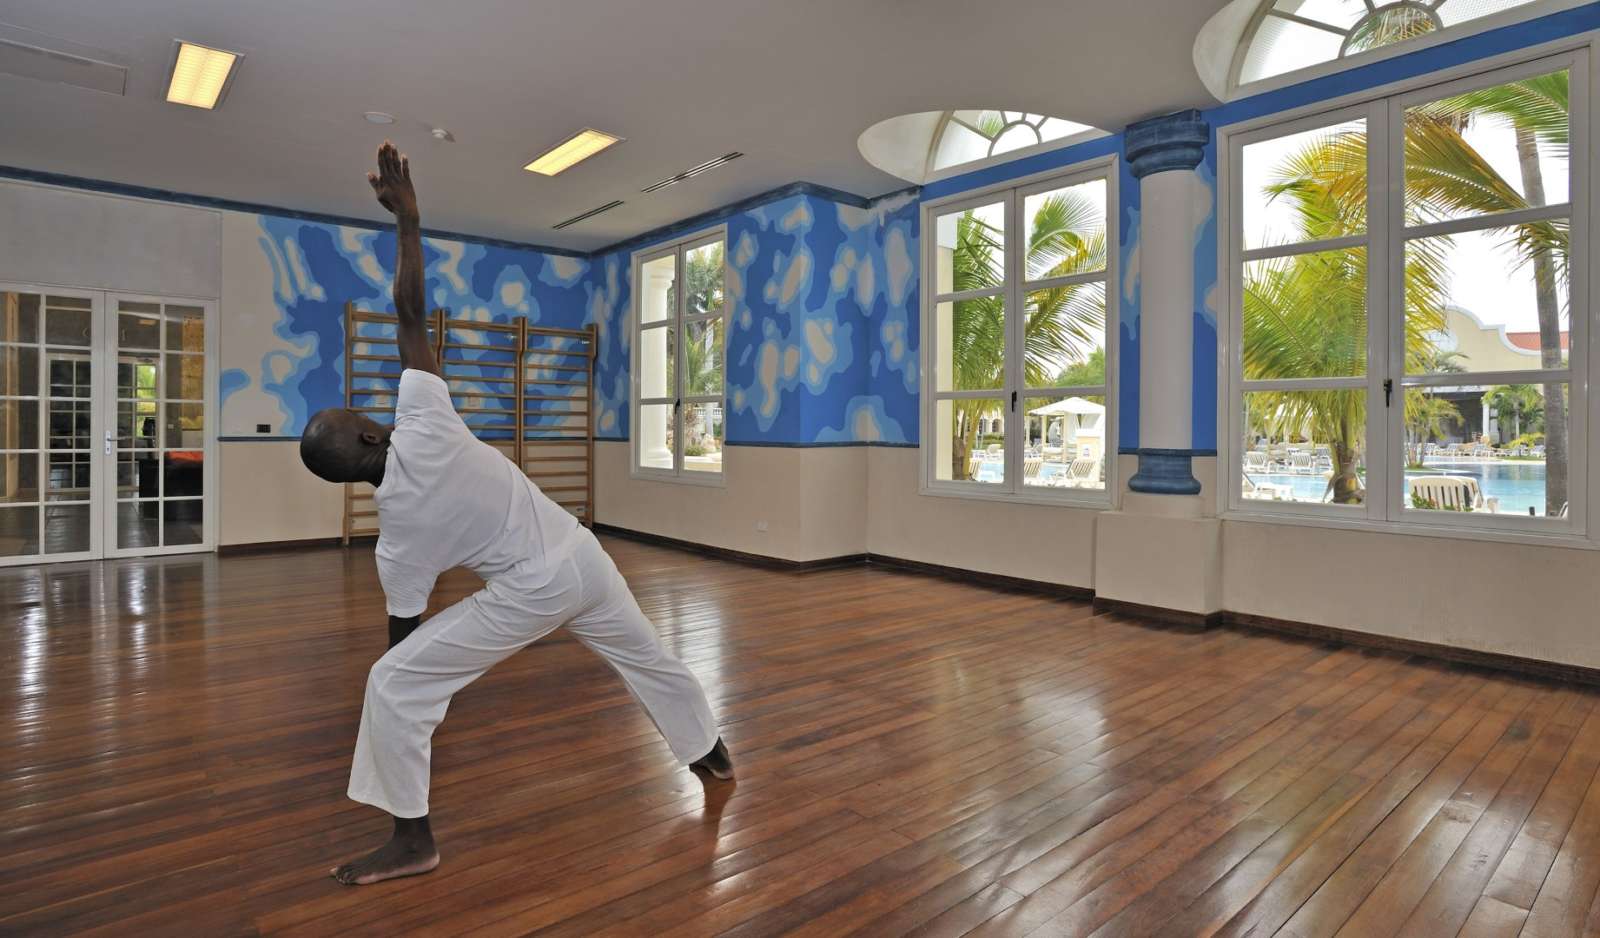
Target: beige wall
[266, 495]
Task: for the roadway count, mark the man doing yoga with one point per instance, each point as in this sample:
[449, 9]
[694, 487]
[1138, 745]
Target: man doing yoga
[446, 499]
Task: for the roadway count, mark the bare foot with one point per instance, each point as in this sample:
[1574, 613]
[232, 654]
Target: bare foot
[716, 763]
[410, 852]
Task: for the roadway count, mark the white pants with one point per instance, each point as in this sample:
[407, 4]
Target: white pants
[409, 689]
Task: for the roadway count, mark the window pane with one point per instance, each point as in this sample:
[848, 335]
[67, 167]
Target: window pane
[69, 424]
[186, 329]
[186, 377]
[19, 531]
[69, 476]
[1015, 137]
[19, 317]
[969, 249]
[139, 331]
[184, 522]
[1306, 186]
[1066, 230]
[19, 477]
[19, 371]
[702, 437]
[1488, 449]
[19, 424]
[1491, 150]
[702, 357]
[959, 144]
[969, 437]
[971, 344]
[656, 354]
[1305, 446]
[1065, 338]
[1340, 13]
[67, 321]
[655, 436]
[1282, 45]
[184, 472]
[186, 425]
[1305, 316]
[702, 278]
[1493, 300]
[66, 529]
[1460, 11]
[136, 376]
[655, 290]
[138, 524]
[1065, 442]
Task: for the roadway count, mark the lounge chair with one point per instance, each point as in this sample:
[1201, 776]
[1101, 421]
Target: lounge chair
[1084, 472]
[1257, 461]
[1453, 493]
[1267, 491]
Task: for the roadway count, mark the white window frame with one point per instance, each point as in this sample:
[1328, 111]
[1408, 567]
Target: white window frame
[679, 249]
[1012, 193]
[1385, 508]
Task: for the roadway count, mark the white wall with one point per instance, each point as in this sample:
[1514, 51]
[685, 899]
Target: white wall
[268, 496]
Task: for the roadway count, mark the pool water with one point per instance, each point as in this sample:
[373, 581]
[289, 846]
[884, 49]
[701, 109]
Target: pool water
[1518, 485]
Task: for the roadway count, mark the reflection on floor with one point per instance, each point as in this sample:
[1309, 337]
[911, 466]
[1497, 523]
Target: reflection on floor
[914, 755]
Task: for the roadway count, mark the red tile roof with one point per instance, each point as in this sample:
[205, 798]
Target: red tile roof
[1530, 340]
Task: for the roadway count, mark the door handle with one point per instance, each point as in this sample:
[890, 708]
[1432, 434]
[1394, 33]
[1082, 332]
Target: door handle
[110, 440]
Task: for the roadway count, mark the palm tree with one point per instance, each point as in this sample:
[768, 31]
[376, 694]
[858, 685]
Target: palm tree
[1517, 401]
[1067, 237]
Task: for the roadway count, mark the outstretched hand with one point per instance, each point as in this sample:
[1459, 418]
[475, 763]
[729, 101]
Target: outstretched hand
[392, 183]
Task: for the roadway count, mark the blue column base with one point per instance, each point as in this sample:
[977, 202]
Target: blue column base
[1167, 472]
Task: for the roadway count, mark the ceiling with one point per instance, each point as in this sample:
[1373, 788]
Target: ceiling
[790, 84]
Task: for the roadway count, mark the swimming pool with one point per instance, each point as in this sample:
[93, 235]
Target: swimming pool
[1518, 485]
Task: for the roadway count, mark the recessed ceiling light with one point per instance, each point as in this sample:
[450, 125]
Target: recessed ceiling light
[200, 75]
[378, 117]
[572, 151]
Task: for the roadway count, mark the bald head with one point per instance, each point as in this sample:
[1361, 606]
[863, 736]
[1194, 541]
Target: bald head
[343, 446]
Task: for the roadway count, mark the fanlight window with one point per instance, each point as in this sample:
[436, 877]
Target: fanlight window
[974, 135]
[1292, 34]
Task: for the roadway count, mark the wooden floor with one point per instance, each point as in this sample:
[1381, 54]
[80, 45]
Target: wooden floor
[916, 756]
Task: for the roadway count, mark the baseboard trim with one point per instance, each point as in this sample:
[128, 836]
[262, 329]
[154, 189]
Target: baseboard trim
[1492, 660]
[727, 553]
[1059, 590]
[267, 547]
[1181, 618]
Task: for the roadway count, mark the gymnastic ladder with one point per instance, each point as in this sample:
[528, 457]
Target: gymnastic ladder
[516, 386]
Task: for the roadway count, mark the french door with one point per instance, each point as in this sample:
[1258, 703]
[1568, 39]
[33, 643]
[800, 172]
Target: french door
[105, 425]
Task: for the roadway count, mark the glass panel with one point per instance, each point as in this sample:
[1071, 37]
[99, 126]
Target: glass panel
[1065, 446]
[69, 424]
[1066, 230]
[185, 473]
[1340, 13]
[1460, 11]
[67, 321]
[1065, 339]
[1388, 25]
[138, 524]
[70, 477]
[19, 477]
[186, 377]
[1054, 128]
[1493, 300]
[970, 249]
[656, 354]
[19, 371]
[139, 331]
[186, 329]
[186, 426]
[655, 290]
[970, 440]
[66, 529]
[702, 437]
[19, 531]
[1282, 45]
[971, 349]
[19, 317]
[1305, 316]
[656, 434]
[138, 475]
[702, 357]
[1306, 186]
[1488, 450]
[136, 424]
[1015, 137]
[702, 278]
[1305, 446]
[1491, 150]
[19, 424]
[185, 522]
[136, 376]
[959, 144]
[69, 376]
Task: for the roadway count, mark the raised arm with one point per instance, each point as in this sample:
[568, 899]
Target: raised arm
[392, 184]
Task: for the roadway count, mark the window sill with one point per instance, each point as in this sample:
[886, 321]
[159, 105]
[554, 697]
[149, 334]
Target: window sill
[708, 480]
[1564, 540]
[1085, 500]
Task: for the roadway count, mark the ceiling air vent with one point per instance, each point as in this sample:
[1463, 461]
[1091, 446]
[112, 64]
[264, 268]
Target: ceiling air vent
[589, 214]
[693, 172]
[45, 58]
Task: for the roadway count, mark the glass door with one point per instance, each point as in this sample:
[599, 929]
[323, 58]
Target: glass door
[48, 505]
[160, 466]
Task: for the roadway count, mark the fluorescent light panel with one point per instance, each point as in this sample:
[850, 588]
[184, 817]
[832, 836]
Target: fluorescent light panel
[200, 75]
[572, 151]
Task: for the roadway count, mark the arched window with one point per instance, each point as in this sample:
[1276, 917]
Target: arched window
[1282, 36]
[916, 147]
